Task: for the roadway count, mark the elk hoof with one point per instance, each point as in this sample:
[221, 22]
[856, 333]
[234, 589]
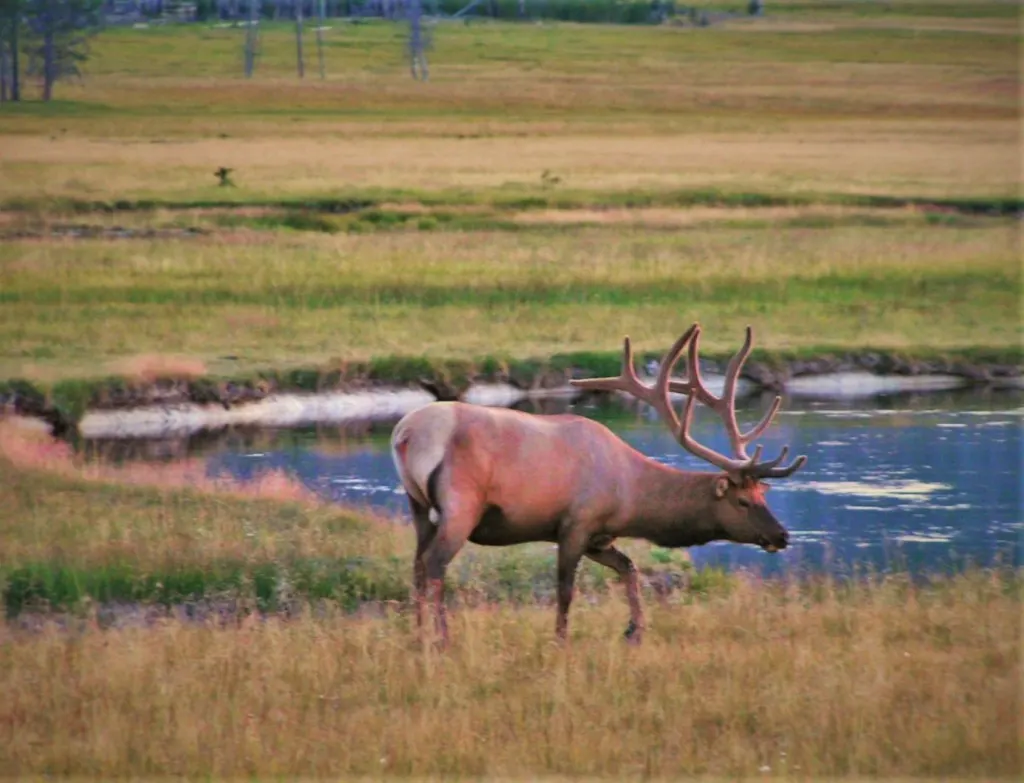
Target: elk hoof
[633, 633]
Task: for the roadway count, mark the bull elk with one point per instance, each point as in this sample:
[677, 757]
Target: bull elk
[498, 477]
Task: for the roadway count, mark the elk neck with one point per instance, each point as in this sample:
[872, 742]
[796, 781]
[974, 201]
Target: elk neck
[672, 507]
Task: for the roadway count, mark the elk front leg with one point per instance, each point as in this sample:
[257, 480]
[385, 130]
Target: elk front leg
[620, 563]
[570, 550]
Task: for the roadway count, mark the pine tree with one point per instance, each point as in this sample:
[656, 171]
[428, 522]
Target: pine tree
[59, 32]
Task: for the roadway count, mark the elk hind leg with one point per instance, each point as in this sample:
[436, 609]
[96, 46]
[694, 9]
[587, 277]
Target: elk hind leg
[619, 562]
[425, 532]
[458, 520]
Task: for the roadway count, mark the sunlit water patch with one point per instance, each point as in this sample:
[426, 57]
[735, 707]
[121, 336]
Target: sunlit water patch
[924, 482]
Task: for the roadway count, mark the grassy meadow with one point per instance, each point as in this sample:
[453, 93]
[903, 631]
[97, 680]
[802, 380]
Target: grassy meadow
[772, 681]
[841, 175]
[834, 175]
[317, 297]
[272, 674]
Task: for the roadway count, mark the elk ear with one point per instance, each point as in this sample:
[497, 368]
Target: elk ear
[721, 487]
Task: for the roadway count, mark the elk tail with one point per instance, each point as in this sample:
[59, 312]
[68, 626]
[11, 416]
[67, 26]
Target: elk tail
[435, 507]
[419, 445]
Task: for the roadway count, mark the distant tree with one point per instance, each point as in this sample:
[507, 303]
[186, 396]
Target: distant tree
[298, 39]
[59, 32]
[251, 37]
[321, 23]
[205, 9]
[10, 21]
[419, 41]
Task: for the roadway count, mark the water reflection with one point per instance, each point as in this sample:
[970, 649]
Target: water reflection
[924, 481]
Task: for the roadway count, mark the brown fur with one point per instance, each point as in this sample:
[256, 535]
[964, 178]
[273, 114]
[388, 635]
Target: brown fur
[499, 477]
[508, 477]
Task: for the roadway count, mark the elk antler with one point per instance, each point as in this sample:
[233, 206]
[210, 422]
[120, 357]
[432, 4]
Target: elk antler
[657, 396]
[725, 407]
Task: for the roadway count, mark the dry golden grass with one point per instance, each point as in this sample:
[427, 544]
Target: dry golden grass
[666, 217]
[147, 368]
[932, 159]
[776, 681]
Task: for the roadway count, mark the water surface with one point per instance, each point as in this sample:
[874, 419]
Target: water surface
[926, 482]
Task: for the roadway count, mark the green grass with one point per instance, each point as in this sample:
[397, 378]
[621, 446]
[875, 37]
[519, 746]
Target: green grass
[836, 289]
[292, 299]
[943, 9]
[376, 206]
[266, 586]
[376, 47]
[834, 180]
[70, 543]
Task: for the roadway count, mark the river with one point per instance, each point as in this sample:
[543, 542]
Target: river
[925, 482]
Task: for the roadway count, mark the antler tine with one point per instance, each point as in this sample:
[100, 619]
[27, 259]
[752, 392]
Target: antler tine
[702, 451]
[694, 384]
[755, 432]
[727, 402]
[777, 460]
[663, 384]
[627, 381]
[770, 470]
[725, 407]
[789, 470]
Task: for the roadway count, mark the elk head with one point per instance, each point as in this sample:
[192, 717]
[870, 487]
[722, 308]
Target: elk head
[735, 504]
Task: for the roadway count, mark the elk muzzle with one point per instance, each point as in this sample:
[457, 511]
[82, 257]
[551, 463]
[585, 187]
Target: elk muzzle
[774, 542]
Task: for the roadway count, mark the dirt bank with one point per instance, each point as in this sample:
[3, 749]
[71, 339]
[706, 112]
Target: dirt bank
[389, 386]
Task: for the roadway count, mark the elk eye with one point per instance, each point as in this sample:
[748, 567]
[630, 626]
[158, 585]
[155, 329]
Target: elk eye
[743, 502]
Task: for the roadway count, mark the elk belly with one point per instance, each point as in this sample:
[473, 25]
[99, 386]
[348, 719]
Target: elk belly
[495, 529]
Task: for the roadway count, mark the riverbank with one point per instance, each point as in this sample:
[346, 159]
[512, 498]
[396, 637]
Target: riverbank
[237, 629]
[228, 320]
[87, 533]
[167, 402]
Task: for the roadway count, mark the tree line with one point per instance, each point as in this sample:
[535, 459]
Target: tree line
[48, 39]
